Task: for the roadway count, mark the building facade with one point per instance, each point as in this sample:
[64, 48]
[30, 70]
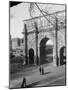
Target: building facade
[17, 46]
[37, 37]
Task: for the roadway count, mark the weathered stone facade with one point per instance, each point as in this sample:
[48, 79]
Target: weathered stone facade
[45, 31]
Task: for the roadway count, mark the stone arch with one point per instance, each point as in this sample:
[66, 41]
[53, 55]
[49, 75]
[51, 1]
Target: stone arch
[31, 56]
[32, 43]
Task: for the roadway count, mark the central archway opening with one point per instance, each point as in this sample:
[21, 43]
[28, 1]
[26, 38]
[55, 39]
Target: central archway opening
[46, 51]
[31, 56]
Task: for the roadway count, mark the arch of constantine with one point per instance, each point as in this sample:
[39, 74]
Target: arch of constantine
[44, 41]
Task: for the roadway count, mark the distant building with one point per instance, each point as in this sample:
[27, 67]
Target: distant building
[15, 43]
[17, 46]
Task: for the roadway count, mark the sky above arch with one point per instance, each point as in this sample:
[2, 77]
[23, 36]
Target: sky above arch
[20, 12]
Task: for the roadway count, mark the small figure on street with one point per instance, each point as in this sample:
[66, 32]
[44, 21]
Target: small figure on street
[23, 83]
[40, 70]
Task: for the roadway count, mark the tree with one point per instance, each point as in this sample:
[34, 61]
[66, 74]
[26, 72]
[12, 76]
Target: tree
[31, 9]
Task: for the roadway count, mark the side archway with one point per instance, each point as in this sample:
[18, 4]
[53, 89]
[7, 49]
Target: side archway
[62, 55]
[31, 56]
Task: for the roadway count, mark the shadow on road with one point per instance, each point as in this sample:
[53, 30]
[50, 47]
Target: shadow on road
[35, 83]
[47, 73]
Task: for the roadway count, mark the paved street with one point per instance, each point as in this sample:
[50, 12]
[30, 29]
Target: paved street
[60, 80]
[52, 76]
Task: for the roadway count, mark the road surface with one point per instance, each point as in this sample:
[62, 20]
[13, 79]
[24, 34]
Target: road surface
[52, 76]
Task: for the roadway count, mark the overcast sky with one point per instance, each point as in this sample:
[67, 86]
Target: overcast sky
[20, 12]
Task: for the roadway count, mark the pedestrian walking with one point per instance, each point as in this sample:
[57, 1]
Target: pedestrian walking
[40, 70]
[23, 83]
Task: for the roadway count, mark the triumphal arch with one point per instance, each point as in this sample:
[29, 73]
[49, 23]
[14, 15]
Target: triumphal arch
[44, 36]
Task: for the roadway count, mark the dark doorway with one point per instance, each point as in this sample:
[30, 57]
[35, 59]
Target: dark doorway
[31, 56]
[42, 50]
[62, 55]
[46, 51]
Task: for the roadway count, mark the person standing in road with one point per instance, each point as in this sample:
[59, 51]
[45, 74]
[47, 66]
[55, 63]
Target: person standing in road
[40, 70]
[23, 83]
